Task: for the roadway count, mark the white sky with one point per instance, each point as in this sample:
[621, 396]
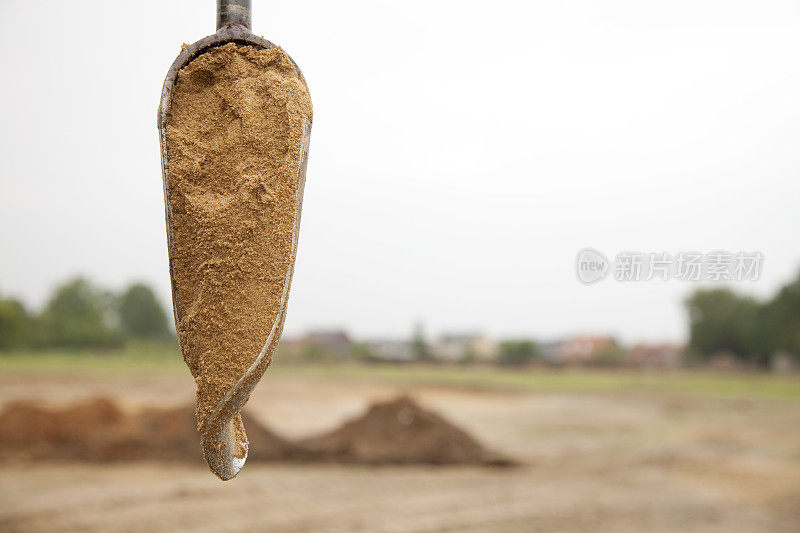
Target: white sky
[462, 153]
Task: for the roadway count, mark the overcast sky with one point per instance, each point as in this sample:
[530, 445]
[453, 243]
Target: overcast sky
[462, 153]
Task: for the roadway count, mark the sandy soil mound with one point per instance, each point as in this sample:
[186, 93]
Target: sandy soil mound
[395, 432]
[97, 430]
[400, 432]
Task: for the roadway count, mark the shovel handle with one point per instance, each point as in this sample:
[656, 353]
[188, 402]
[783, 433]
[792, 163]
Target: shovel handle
[233, 12]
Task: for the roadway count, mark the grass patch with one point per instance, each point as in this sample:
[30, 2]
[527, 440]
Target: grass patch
[146, 358]
[161, 359]
[566, 380]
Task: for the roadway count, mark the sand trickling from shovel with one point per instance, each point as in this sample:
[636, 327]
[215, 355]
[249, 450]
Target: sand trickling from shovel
[234, 141]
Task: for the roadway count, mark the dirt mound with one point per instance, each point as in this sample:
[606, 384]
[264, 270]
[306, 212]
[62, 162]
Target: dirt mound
[400, 432]
[395, 432]
[28, 430]
[97, 430]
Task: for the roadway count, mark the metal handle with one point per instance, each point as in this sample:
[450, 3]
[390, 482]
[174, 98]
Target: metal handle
[233, 12]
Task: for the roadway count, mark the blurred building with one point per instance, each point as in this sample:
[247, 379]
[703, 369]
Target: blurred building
[335, 343]
[550, 351]
[390, 350]
[665, 355]
[464, 347]
[585, 349]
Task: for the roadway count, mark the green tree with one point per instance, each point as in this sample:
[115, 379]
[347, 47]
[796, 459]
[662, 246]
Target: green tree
[517, 352]
[780, 321]
[719, 319]
[141, 315]
[80, 315]
[419, 345]
[16, 325]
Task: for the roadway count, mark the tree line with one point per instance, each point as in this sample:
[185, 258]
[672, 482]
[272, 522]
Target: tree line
[752, 330]
[81, 315]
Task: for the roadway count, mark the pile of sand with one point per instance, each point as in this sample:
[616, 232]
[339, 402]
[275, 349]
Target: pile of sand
[394, 432]
[400, 432]
[98, 430]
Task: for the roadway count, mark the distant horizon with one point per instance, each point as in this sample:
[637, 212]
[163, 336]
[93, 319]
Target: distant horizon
[399, 334]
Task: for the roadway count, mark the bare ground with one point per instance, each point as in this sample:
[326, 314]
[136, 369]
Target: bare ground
[602, 462]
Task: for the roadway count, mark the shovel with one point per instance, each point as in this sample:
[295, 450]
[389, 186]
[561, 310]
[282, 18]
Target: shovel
[222, 435]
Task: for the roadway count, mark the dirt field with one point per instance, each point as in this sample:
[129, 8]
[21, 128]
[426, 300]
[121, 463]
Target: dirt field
[605, 460]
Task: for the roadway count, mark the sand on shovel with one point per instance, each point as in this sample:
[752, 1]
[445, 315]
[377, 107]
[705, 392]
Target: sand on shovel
[235, 146]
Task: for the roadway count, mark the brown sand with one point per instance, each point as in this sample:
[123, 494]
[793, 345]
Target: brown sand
[97, 430]
[234, 140]
[731, 464]
[400, 432]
